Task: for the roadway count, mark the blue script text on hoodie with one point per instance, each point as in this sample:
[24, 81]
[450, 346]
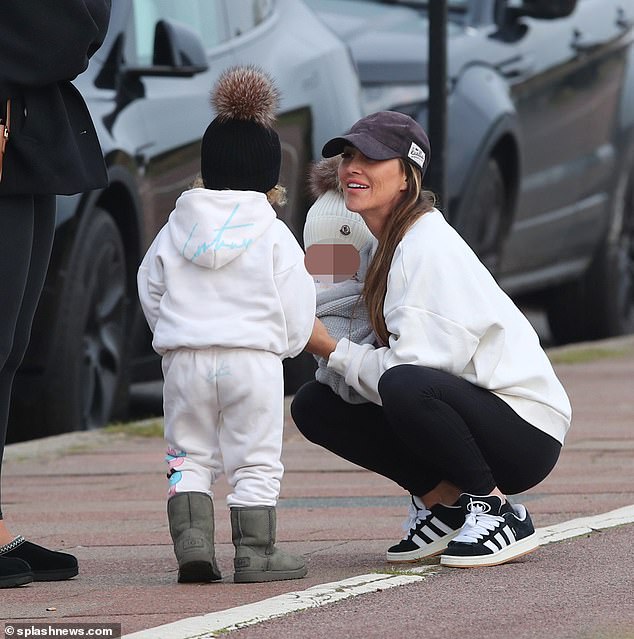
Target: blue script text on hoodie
[224, 271]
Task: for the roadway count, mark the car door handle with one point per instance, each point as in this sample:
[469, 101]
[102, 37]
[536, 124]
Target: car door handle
[581, 45]
[517, 67]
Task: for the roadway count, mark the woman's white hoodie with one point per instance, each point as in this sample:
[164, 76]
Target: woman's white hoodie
[224, 271]
[444, 310]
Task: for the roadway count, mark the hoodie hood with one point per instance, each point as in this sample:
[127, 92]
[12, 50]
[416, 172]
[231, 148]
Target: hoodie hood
[212, 228]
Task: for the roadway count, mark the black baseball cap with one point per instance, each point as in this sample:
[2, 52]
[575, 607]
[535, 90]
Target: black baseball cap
[385, 135]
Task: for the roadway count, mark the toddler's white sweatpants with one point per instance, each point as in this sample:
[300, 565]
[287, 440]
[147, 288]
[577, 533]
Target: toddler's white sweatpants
[224, 412]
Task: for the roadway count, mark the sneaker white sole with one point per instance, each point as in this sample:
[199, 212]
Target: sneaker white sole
[518, 549]
[429, 550]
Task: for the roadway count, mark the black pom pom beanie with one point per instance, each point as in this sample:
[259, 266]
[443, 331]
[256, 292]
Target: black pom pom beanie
[241, 155]
[240, 150]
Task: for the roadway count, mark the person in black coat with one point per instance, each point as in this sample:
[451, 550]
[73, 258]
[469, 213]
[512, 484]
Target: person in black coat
[52, 149]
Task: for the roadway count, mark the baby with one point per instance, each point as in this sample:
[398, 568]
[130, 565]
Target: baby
[338, 247]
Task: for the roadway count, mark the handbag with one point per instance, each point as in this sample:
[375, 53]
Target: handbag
[5, 125]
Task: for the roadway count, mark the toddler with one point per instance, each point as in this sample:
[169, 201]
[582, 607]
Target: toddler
[338, 247]
[227, 296]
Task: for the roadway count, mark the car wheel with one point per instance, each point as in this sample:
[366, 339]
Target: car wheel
[482, 218]
[86, 376]
[601, 303]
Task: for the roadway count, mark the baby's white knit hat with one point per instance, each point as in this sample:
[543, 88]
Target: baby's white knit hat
[328, 221]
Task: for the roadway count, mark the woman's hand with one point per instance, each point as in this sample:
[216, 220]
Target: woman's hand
[320, 342]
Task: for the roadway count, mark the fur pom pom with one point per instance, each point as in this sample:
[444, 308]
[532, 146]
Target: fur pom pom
[323, 176]
[245, 93]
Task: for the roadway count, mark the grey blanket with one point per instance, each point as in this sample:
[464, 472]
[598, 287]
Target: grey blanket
[343, 312]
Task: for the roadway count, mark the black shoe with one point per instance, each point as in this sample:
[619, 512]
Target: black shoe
[46, 565]
[493, 533]
[14, 572]
[428, 531]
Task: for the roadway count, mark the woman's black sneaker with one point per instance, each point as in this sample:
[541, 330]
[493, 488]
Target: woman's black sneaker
[46, 565]
[428, 531]
[14, 572]
[493, 533]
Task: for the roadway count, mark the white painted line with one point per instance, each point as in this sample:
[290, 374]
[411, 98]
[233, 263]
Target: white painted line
[585, 525]
[216, 624]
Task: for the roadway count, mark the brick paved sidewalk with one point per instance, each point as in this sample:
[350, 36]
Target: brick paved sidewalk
[101, 496]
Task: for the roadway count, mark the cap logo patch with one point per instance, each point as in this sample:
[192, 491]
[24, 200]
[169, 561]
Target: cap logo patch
[416, 154]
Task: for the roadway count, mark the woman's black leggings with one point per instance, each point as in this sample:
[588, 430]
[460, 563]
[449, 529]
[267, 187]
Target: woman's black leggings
[27, 227]
[431, 427]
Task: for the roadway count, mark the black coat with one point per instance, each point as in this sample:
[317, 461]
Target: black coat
[44, 44]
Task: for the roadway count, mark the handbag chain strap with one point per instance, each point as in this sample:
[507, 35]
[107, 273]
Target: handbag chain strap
[6, 122]
[5, 126]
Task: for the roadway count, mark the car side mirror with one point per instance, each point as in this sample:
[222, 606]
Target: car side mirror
[544, 9]
[178, 51]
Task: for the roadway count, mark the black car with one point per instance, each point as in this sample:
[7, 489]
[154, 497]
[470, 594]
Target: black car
[540, 149]
[148, 91]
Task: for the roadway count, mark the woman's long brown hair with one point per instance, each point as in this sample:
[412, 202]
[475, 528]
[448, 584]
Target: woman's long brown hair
[414, 203]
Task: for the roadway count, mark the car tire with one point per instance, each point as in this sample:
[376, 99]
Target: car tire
[481, 221]
[601, 303]
[86, 380]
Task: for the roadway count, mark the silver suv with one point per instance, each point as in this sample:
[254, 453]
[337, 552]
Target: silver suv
[540, 152]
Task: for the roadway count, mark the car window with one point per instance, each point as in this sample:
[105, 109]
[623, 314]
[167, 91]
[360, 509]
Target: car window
[206, 17]
[245, 15]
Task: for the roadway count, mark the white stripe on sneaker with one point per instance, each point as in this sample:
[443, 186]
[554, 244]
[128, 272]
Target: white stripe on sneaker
[428, 532]
[441, 525]
[491, 546]
[504, 537]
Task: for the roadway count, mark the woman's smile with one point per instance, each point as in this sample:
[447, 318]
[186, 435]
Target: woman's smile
[371, 187]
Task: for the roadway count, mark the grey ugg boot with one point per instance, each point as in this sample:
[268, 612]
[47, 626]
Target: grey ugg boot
[256, 558]
[191, 520]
